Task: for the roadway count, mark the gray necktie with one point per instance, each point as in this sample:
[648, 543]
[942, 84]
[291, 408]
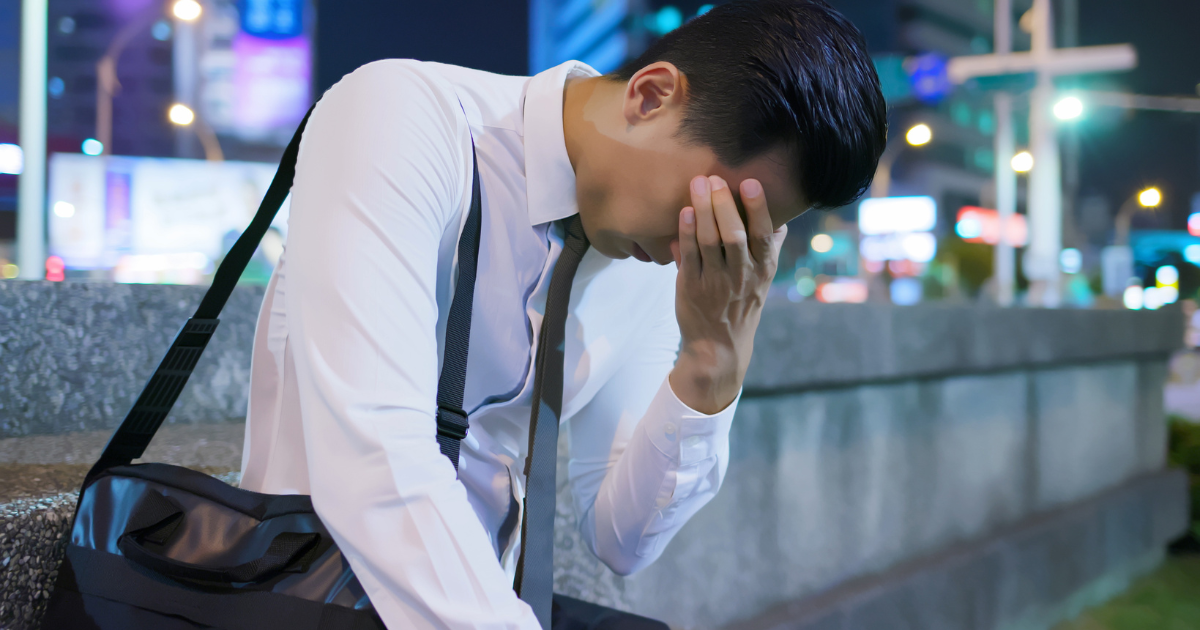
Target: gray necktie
[535, 567]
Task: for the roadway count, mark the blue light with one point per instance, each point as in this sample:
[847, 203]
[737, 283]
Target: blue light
[92, 146]
[56, 86]
[704, 8]
[906, 291]
[927, 74]
[1191, 253]
[969, 227]
[161, 30]
[666, 20]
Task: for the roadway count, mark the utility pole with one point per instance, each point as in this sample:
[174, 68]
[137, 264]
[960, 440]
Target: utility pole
[31, 186]
[1045, 182]
[1004, 268]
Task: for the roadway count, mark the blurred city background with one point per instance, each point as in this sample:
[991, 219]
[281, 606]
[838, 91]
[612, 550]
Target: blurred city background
[163, 121]
[1041, 154]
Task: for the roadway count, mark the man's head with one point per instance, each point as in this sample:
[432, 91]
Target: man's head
[781, 91]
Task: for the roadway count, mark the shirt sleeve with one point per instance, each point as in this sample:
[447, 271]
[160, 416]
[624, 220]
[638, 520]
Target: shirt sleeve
[383, 172]
[641, 461]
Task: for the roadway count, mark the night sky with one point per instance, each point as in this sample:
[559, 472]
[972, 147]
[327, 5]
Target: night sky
[1123, 151]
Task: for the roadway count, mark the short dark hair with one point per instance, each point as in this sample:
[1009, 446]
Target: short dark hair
[791, 74]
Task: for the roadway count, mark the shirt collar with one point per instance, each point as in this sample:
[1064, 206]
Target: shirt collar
[549, 178]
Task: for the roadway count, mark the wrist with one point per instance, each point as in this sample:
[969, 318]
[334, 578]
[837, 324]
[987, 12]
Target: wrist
[706, 377]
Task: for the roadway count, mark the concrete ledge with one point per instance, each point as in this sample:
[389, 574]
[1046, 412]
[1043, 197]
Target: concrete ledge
[811, 345]
[1029, 576]
[73, 356]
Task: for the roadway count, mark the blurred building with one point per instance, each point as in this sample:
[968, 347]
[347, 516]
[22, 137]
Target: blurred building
[909, 40]
[10, 29]
[81, 31]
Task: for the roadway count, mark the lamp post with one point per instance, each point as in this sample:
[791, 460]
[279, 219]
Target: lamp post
[183, 116]
[107, 84]
[917, 135]
[31, 187]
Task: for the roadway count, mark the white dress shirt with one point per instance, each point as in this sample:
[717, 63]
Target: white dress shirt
[350, 339]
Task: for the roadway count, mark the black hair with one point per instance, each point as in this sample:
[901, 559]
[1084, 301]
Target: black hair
[790, 74]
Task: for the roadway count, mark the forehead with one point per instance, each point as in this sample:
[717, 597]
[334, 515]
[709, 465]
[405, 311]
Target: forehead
[774, 171]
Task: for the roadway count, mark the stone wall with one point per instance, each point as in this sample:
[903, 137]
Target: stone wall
[870, 440]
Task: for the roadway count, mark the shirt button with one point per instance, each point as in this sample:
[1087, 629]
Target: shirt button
[692, 441]
[669, 430]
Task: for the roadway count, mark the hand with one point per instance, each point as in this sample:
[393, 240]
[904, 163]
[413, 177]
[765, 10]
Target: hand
[725, 269]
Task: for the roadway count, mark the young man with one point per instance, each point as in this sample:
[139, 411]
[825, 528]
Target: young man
[697, 153]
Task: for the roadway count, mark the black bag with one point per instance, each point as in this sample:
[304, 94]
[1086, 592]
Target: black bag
[165, 547]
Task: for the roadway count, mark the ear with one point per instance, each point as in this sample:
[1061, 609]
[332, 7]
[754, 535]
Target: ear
[652, 92]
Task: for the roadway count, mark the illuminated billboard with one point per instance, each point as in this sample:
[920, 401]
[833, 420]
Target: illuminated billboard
[155, 220]
[982, 225]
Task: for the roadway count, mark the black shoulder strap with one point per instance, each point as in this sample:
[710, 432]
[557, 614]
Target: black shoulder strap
[133, 436]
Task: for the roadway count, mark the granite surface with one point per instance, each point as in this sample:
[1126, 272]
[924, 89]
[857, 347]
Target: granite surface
[39, 481]
[74, 356]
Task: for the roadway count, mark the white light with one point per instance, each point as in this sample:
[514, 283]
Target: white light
[1169, 295]
[1153, 298]
[1191, 253]
[1150, 197]
[1068, 108]
[181, 115]
[161, 262]
[1133, 297]
[12, 159]
[920, 247]
[187, 10]
[888, 215]
[822, 243]
[92, 146]
[1070, 260]
[1022, 162]
[1166, 275]
[64, 210]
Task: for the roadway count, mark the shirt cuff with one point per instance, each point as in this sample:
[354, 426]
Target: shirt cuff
[682, 433]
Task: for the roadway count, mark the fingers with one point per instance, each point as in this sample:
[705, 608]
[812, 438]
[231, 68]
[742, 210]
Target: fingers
[758, 219]
[707, 235]
[729, 222]
[686, 249]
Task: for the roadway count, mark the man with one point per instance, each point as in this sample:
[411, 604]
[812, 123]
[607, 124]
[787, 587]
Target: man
[696, 153]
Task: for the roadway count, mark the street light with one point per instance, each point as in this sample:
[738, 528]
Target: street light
[107, 84]
[1149, 198]
[918, 135]
[1022, 162]
[187, 10]
[1068, 108]
[183, 116]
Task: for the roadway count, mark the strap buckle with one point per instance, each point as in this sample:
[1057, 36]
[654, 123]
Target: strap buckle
[451, 422]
